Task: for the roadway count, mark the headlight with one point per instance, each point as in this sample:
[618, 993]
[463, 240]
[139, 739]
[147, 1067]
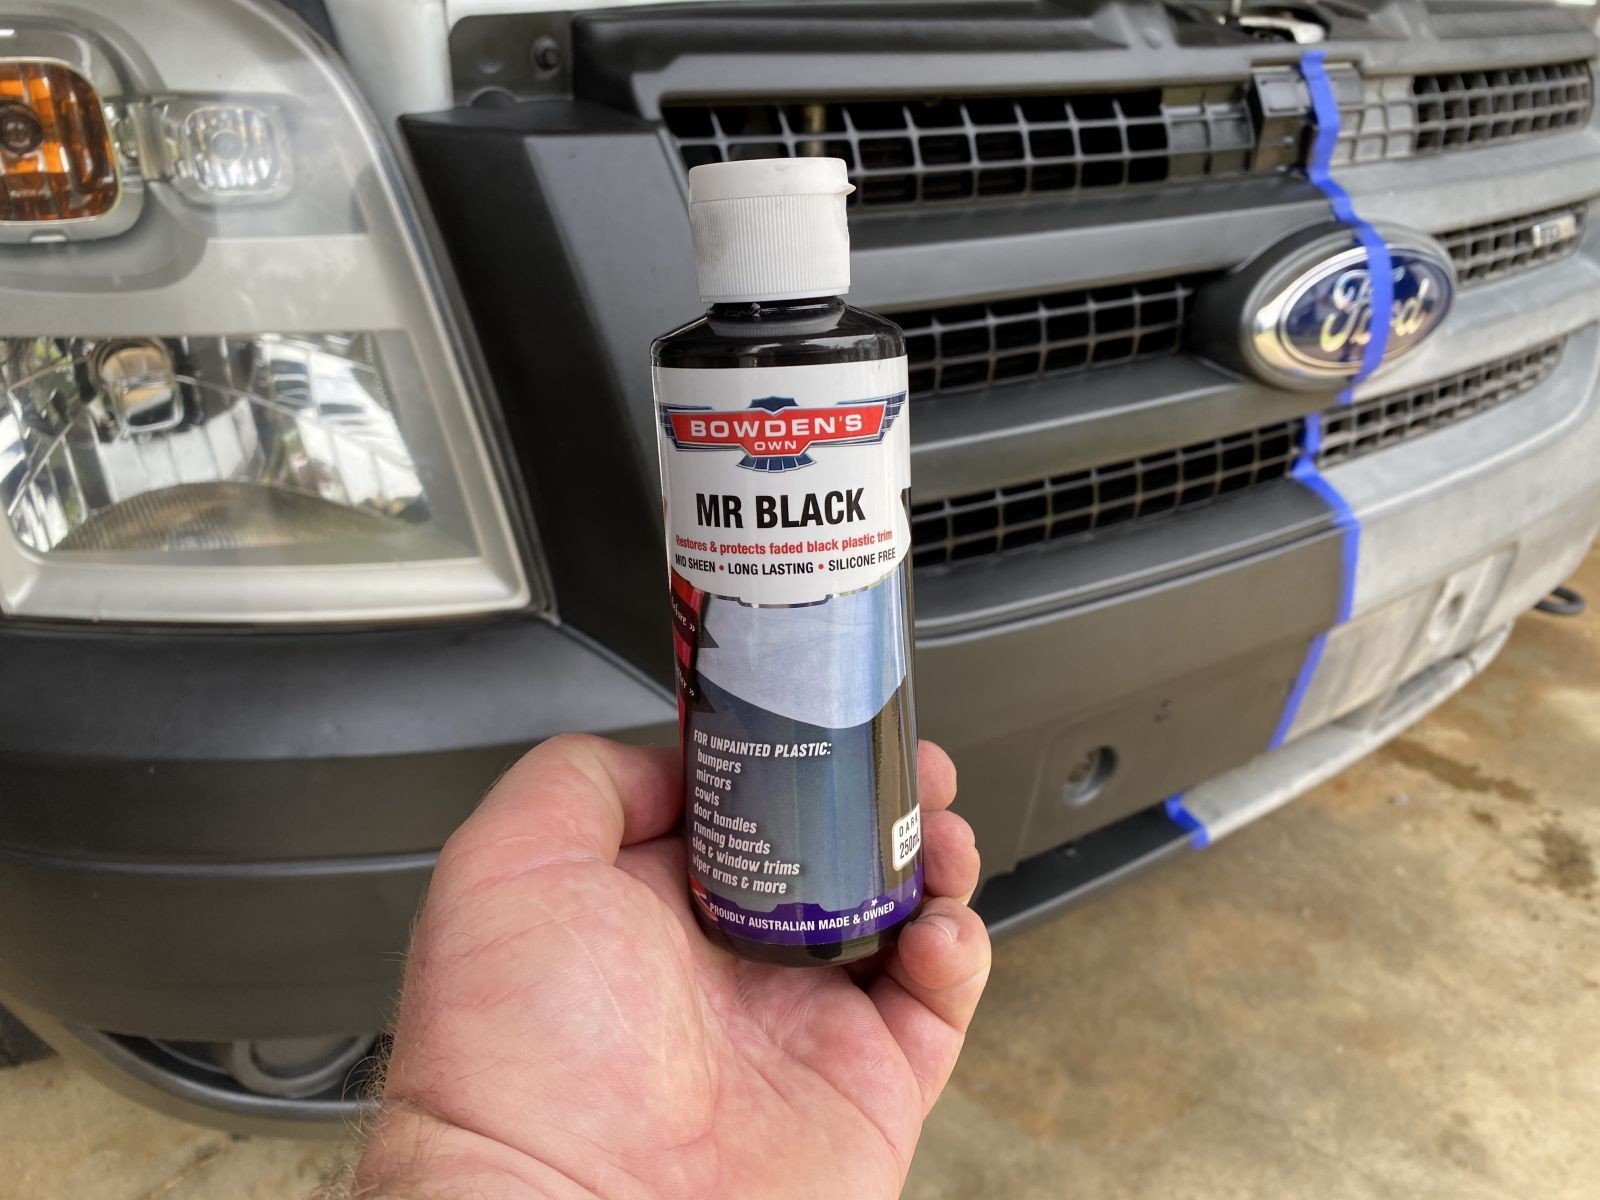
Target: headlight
[231, 389]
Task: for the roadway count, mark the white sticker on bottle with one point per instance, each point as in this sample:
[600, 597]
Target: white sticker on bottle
[906, 837]
[784, 485]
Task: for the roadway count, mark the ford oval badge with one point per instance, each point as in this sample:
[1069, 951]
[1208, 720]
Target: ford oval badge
[1309, 318]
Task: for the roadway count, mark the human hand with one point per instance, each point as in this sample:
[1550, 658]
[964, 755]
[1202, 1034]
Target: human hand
[566, 1030]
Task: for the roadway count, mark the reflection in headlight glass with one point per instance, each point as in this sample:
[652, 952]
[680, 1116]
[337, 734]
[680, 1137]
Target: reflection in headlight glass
[201, 443]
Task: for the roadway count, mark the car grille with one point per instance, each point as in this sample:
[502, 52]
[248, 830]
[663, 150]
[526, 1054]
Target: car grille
[1401, 116]
[938, 150]
[1152, 151]
[1472, 108]
[974, 345]
[1500, 248]
[1120, 493]
[1354, 430]
[1007, 518]
[933, 150]
[963, 347]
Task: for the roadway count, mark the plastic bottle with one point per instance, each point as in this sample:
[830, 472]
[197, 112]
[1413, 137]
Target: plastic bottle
[785, 468]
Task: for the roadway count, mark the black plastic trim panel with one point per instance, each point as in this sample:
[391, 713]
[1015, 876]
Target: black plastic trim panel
[195, 953]
[211, 747]
[567, 230]
[636, 60]
[1041, 888]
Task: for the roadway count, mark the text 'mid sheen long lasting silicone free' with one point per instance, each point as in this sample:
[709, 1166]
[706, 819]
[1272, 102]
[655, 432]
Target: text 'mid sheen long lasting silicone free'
[785, 483]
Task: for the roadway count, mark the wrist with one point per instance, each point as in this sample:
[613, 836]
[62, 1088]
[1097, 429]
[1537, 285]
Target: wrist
[413, 1154]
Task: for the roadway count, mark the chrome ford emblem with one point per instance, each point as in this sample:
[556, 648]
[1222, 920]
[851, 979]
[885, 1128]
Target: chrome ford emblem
[1322, 321]
[1307, 305]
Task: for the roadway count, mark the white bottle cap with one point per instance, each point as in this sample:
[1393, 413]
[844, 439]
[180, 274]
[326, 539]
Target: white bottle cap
[770, 229]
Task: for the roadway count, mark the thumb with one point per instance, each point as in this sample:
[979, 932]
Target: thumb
[575, 797]
[930, 988]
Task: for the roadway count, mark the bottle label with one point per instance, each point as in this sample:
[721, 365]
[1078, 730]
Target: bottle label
[785, 485]
[786, 497]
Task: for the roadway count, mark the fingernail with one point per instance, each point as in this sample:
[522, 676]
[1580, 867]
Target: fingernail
[944, 924]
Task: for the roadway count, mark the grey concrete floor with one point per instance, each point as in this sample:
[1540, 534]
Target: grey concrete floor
[1390, 988]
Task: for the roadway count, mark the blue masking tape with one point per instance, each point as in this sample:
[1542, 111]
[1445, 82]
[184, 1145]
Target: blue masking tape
[1185, 820]
[1380, 271]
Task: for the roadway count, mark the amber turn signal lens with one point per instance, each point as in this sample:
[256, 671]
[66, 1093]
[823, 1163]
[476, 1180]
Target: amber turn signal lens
[57, 162]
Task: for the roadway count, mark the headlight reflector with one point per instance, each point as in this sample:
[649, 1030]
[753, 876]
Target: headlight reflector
[91, 431]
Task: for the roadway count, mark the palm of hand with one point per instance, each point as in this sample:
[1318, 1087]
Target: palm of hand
[566, 1029]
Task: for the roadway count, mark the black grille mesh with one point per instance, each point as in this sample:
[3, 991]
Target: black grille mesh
[933, 150]
[974, 345]
[1366, 426]
[1472, 108]
[1498, 248]
[1007, 518]
[1386, 117]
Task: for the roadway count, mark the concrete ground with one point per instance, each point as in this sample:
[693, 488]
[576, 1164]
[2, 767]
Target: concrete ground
[1390, 988]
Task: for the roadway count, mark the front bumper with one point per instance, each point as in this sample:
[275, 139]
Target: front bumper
[222, 896]
[216, 837]
[222, 836]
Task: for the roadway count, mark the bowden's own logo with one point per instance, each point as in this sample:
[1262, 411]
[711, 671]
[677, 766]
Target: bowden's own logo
[1320, 323]
[775, 432]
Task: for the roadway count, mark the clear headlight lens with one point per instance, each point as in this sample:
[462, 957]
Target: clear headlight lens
[236, 394]
[222, 151]
[204, 444]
